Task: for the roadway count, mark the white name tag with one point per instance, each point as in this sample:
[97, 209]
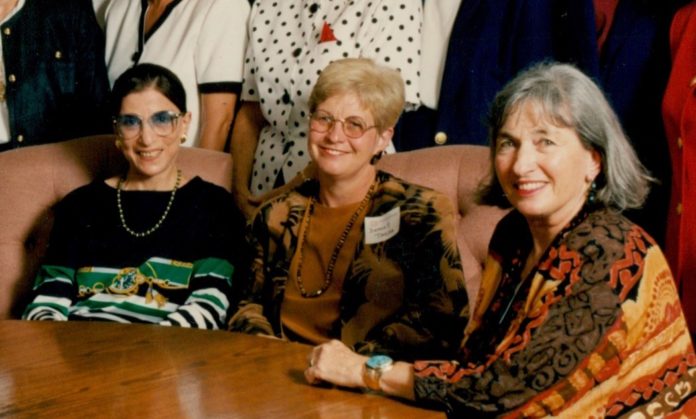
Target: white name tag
[383, 227]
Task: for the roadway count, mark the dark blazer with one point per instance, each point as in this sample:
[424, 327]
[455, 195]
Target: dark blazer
[57, 86]
[493, 40]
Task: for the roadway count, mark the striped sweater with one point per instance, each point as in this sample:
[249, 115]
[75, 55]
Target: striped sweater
[179, 275]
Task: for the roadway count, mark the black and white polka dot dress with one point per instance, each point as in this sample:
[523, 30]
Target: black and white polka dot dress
[291, 41]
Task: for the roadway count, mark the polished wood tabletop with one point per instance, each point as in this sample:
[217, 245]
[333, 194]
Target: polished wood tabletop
[84, 369]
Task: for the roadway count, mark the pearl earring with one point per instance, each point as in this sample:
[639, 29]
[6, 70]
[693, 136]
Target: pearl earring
[592, 193]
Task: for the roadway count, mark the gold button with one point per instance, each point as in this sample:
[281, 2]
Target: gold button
[692, 83]
[12, 78]
[679, 208]
[58, 55]
[440, 138]
[680, 143]
[20, 138]
[7, 31]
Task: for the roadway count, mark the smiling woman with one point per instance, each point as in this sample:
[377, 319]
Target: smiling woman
[577, 314]
[355, 253]
[151, 148]
[544, 170]
[151, 245]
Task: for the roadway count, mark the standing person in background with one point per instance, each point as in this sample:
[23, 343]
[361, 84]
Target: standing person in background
[53, 83]
[679, 112]
[201, 41]
[621, 44]
[290, 42]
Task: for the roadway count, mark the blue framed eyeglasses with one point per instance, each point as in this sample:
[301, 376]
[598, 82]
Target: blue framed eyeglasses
[162, 123]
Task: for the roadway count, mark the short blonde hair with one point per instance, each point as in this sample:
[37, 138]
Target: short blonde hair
[379, 89]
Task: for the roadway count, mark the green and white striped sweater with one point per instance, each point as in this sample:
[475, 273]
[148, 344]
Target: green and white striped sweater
[180, 275]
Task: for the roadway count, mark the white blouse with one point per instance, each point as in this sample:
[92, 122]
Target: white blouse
[286, 54]
[201, 41]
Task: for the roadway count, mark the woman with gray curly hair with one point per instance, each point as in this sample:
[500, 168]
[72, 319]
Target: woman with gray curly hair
[577, 314]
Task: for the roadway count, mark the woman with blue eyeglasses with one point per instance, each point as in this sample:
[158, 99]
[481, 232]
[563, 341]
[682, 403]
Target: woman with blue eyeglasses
[151, 245]
[356, 254]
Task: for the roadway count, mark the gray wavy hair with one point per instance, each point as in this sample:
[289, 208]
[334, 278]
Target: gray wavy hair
[568, 98]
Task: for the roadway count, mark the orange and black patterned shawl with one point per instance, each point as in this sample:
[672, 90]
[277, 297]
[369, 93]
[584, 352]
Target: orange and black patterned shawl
[596, 330]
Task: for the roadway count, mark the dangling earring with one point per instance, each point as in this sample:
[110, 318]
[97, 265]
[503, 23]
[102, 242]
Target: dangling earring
[183, 139]
[592, 193]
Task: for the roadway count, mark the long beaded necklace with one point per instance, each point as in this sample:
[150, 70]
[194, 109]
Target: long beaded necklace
[161, 219]
[328, 275]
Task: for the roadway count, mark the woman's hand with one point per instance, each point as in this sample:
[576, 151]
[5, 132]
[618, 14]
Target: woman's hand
[335, 363]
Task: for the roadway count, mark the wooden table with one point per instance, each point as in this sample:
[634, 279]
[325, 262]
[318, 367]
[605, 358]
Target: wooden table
[81, 369]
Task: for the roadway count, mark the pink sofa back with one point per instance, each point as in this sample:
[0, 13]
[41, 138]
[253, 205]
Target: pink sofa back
[456, 171]
[34, 179]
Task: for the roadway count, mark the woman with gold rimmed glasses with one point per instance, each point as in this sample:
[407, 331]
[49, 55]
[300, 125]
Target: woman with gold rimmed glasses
[290, 43]
[151, 245]
[355, 253]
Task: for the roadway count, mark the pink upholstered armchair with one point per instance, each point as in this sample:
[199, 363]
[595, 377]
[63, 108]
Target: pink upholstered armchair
[456, 171]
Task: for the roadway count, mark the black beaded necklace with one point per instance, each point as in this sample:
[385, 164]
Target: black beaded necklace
[159, 222]
[328, 275]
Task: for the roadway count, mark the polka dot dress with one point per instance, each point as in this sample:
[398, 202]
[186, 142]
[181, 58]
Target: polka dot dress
[291, 41]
